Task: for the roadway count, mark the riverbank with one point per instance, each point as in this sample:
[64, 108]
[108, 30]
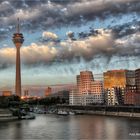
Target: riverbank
[6, 115]
[106, 113]
[119, 111]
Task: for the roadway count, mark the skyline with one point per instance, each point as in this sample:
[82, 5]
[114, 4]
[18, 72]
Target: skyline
[63, 38]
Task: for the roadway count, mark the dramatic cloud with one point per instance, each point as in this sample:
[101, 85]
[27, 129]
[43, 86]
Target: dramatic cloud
[103, 44]
[63, 37]
[88, 47]
[49, 35]
[32, 54]
[70, 35]
[126, 29]
[57, 13]
[41, 53]
[130, 45]
[7, 57]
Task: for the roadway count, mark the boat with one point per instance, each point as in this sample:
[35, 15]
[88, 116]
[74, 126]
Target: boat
[60, 112]
[39, 111]
[72, 113]
[28, 116]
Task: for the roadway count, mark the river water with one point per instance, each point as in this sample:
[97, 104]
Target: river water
[53, 127]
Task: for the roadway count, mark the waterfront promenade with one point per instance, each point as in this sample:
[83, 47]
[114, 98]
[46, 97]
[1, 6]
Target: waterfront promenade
[124, 111]
[6, 115]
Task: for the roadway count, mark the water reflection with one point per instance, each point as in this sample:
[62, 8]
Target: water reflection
[71, 127]
[17, 131]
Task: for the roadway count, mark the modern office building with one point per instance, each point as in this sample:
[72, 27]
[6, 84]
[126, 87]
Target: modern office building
[74, 97]
[110, 96]
[115, 82]
[84, 82]
[137, 78]
[132, 96]
[118, 78]
[129, 98]
[97, 92]
[88, 91]
[18, 41]
[114, 96]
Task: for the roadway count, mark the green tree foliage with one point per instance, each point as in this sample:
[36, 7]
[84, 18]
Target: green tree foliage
[47, 101]
[7, 101]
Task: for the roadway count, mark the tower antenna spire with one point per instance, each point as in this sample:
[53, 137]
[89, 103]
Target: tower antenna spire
[18, 27]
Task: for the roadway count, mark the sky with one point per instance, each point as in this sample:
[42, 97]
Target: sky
[64, 37]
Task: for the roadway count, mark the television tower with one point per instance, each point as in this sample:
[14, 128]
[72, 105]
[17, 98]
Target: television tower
[18, 40]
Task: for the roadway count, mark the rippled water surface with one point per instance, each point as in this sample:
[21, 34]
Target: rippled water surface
[71, 128]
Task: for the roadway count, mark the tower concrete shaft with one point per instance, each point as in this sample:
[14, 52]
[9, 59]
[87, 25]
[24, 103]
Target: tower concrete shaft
[18, 73]
[18, 41]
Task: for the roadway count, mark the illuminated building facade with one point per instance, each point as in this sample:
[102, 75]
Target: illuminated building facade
[114, 96]
[74, 97]
[48, 91]
[6, 93]
[132, 96]
[115, 82]
[18, 41]
[96, 96]
[137, 78]
[118, 78]
[88, 91]
[97, 90]
[84, 82]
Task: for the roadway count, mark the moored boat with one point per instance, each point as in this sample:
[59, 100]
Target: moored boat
[28, 116]
[72, 113]
[60, 112]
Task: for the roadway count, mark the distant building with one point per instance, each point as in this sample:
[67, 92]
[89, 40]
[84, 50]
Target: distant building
[137, 78]
[26, 93]
[63, 95]
[48, 91]
[62, 87]
[115, 82]
[6, 93]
